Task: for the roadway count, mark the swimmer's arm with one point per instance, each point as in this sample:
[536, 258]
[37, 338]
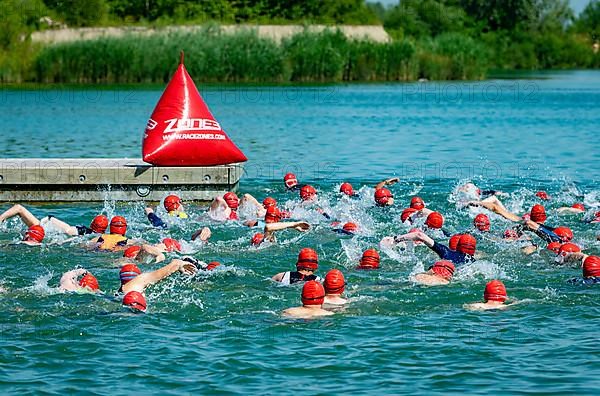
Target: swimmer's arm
[146, 279]
[154, 219]
[204, 234]
[387, 182]
[25, 215]
[297, 225]
[577, 257]
[496, 208]
[68, 280]
[154, 251]
[260, 210]
[424, 212]
[278, 277]
[567, 209]
[64, 227]
[416, 236]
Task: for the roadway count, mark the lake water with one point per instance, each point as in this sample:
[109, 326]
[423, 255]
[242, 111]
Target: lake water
[221, 332]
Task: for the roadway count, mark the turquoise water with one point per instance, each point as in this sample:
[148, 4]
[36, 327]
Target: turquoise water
[222, 331]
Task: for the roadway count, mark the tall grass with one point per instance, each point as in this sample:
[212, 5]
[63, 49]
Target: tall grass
[212, 56]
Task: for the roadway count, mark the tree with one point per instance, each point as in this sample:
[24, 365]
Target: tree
[589, 20]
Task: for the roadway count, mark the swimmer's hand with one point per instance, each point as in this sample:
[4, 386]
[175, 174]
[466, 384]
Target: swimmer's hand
[204, 234]
[392, 180]
[148, 210]
[302, 226]
[188, 268]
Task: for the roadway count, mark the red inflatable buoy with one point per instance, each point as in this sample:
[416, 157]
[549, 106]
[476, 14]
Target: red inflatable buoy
[182, 132]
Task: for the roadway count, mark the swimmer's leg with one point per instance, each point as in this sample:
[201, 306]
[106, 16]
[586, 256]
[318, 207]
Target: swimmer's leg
[25, 215]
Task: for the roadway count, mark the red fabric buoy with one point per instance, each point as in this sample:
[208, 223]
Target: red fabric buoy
[182, 131]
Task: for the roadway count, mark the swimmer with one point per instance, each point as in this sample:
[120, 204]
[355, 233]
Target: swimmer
[383, 196]
[347, 189]
[482, 222]
[116, 240]
[409, 214]
[291, 182]
[472, 191]
[224, 207]
[387, 182]
[370, 260]
[35, 233]
[347, 229]
[307, 264]
[334, 285]
[576, 208]
[439, 274]
[134, 285]
[435, 221]
[570, 253]
[494, 297]
[173, 206]
[591, 272]
[543, 195]
[88, 282]
[313, 296]
[465, 248]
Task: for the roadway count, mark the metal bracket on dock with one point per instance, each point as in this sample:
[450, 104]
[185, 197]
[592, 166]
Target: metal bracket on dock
[99, 179]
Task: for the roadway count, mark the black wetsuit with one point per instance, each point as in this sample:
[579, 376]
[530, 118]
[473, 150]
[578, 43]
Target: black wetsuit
[592, 280]
[83, 230]
[547, 234]
[446, 253]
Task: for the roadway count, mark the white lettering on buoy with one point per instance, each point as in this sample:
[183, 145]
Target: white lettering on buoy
[151, 124]
[191, 124]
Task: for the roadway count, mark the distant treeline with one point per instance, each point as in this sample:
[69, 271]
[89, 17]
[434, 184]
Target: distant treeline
[435, 39]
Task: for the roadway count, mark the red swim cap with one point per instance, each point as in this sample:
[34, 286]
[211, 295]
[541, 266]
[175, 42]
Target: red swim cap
[579, 206]
[453, 242]
[257, 239]
[273, 215]
[542, 195]
[495, 291]
[231, 200]
[554, 246]
[538, 214]
[564, 233]
[568, 248]
[135, 300]
[382, 196]
[435, 220]
[467, 244]
[313, 293]
[90, 281]
[99, 224]
[347, 189]
[128, 272]
[591, 266]
[417, 203]
[35, 233]
[212, 265]
[172, 245]
[597, 216]
[172, 203]
[350, 227]
[307, 259]
[268, 202]
[511, 234]
[370, 259]
[290, 180]
[407, 213]
[482, 222]
[132, 252]
[307, 192]
[118, 225]
[443, 268]
[334, 282]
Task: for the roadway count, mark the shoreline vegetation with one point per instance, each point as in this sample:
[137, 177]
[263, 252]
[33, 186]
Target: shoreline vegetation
[430, 39]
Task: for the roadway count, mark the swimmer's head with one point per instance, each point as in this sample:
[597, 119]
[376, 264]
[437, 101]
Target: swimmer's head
[567, 248]
[538, 214]
[346, 188]
[579, 206]
[290, 180]
[132, 252]
[350, 227]
[334, 282]
[118, 225]
[511, 234]
[128, 272]
[308, 193]
[231, 200]
[453, 242]
[407, 213]
[135, 300]
[273, 215]
[591, 267]
[172, 203]
[443, 268]
[99, 224]
[384, 197]
[369, 260]
[257, 239]
[269, 202]
[554, 247]
[543, 195]
[495, 291]
[565, 233]
[435, 220]
[417, 203]
[482, 222]
[35, 233]
[308, 260]
[88, 280]
[172, 245]
[212, 265]
[467, 244]
[313, 293]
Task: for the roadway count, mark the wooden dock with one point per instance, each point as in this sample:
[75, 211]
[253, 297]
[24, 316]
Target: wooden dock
[93, 180]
